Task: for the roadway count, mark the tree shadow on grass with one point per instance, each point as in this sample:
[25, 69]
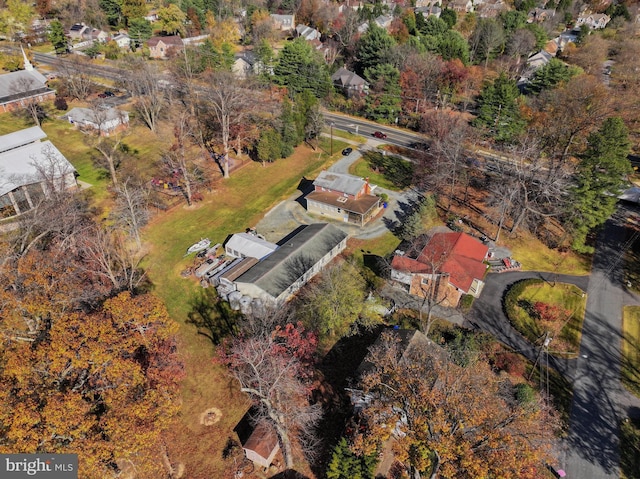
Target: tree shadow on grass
[212, 317]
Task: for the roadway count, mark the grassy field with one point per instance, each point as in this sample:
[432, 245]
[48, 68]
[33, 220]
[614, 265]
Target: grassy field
[536, 256]
[566, 341]
[71, 144]
[631, 349]
[361, 168]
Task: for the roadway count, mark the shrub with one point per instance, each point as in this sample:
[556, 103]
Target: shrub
[61, 103]
[466, 301]
[511, 297]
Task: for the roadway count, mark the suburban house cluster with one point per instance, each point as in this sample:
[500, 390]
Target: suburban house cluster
[31, 168]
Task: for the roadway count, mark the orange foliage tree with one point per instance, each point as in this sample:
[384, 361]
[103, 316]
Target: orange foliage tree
[103, 385]
[452, 421]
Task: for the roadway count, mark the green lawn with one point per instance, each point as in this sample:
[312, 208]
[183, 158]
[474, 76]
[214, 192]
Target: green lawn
[536, 256]
[565, 341]
[352, 137]
[385, 180]
[631, 349]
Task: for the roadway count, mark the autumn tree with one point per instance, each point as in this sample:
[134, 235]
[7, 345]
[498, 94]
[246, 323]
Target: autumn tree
[74, 77]
[452, 421]
[275, 369]
[131, 211]
[600, 177]
[103, 385]
[334, 302]
[171, 19]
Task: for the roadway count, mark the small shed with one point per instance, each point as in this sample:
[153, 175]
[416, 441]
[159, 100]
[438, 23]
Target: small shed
[261, 446]
[247, 245]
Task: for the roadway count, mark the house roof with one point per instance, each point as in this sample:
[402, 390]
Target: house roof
[458, 254]
[172, 40]
[346, 78]
[263, 441]
[77, 27]
[21, 84]
[307, 33]
[297, 253]
[360, 206]
[88, 115]
[250, 245]
[283, 19]
[21, 138]
[18, 167]
[339, 182]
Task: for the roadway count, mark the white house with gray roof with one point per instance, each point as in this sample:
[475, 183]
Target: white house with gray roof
[29, 170]
[300, 256]
[104, 120]
[247, 245]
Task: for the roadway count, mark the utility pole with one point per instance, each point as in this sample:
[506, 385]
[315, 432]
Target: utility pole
[331, 147]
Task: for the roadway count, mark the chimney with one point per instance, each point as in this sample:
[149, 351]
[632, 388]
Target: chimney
[367, 188]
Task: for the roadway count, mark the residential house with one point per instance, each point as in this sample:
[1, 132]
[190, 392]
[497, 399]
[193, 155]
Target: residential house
[77, 31]
[283, 23]
[248, 245]
[244, 65]
[30, 170]
[448, 266]
[429, 11]
[349, 82]
[461, 6]
[195, 41]
[383, 21]
[96, 35]
[344, 198]
[106, 121]
[595, 21]
[308, 33]
[491, 9]
[540, 15]
[152, 16]
[277, 277]
[163, 47]
[534, 62]
[122, 40]
[20, 88]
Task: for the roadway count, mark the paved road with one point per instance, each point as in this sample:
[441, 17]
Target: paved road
[488, 314]
[599, 399]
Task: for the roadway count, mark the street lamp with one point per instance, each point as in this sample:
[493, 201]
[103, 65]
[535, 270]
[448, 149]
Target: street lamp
[331, 147]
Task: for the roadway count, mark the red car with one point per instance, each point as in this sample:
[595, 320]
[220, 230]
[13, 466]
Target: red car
[379, 134]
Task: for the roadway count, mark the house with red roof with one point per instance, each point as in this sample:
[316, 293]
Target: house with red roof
[448, 266]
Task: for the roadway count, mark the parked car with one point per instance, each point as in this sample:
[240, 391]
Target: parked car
[420, 146]
[379, 134]
[347, 151]
[109, 93]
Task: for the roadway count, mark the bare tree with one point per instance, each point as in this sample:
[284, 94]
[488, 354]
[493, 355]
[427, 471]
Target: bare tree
[74, 77]
[109, 147]
[224, 103]
[108, 254]
[131, 212]
[274, 370]
[28, 88]
[144, 83]
[177, 161]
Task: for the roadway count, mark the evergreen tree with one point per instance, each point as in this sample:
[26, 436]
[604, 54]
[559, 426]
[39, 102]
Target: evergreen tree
[345, 464]
[383, 101]
[289, 130]
[550, 75]
[449, 16]
[139, 31]
[373, 48]
[434, 26]
[453, 45]
[57, 37]
[269, 146]
[498, 109]
[112, 10]
[599, 179]
[300, 68]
